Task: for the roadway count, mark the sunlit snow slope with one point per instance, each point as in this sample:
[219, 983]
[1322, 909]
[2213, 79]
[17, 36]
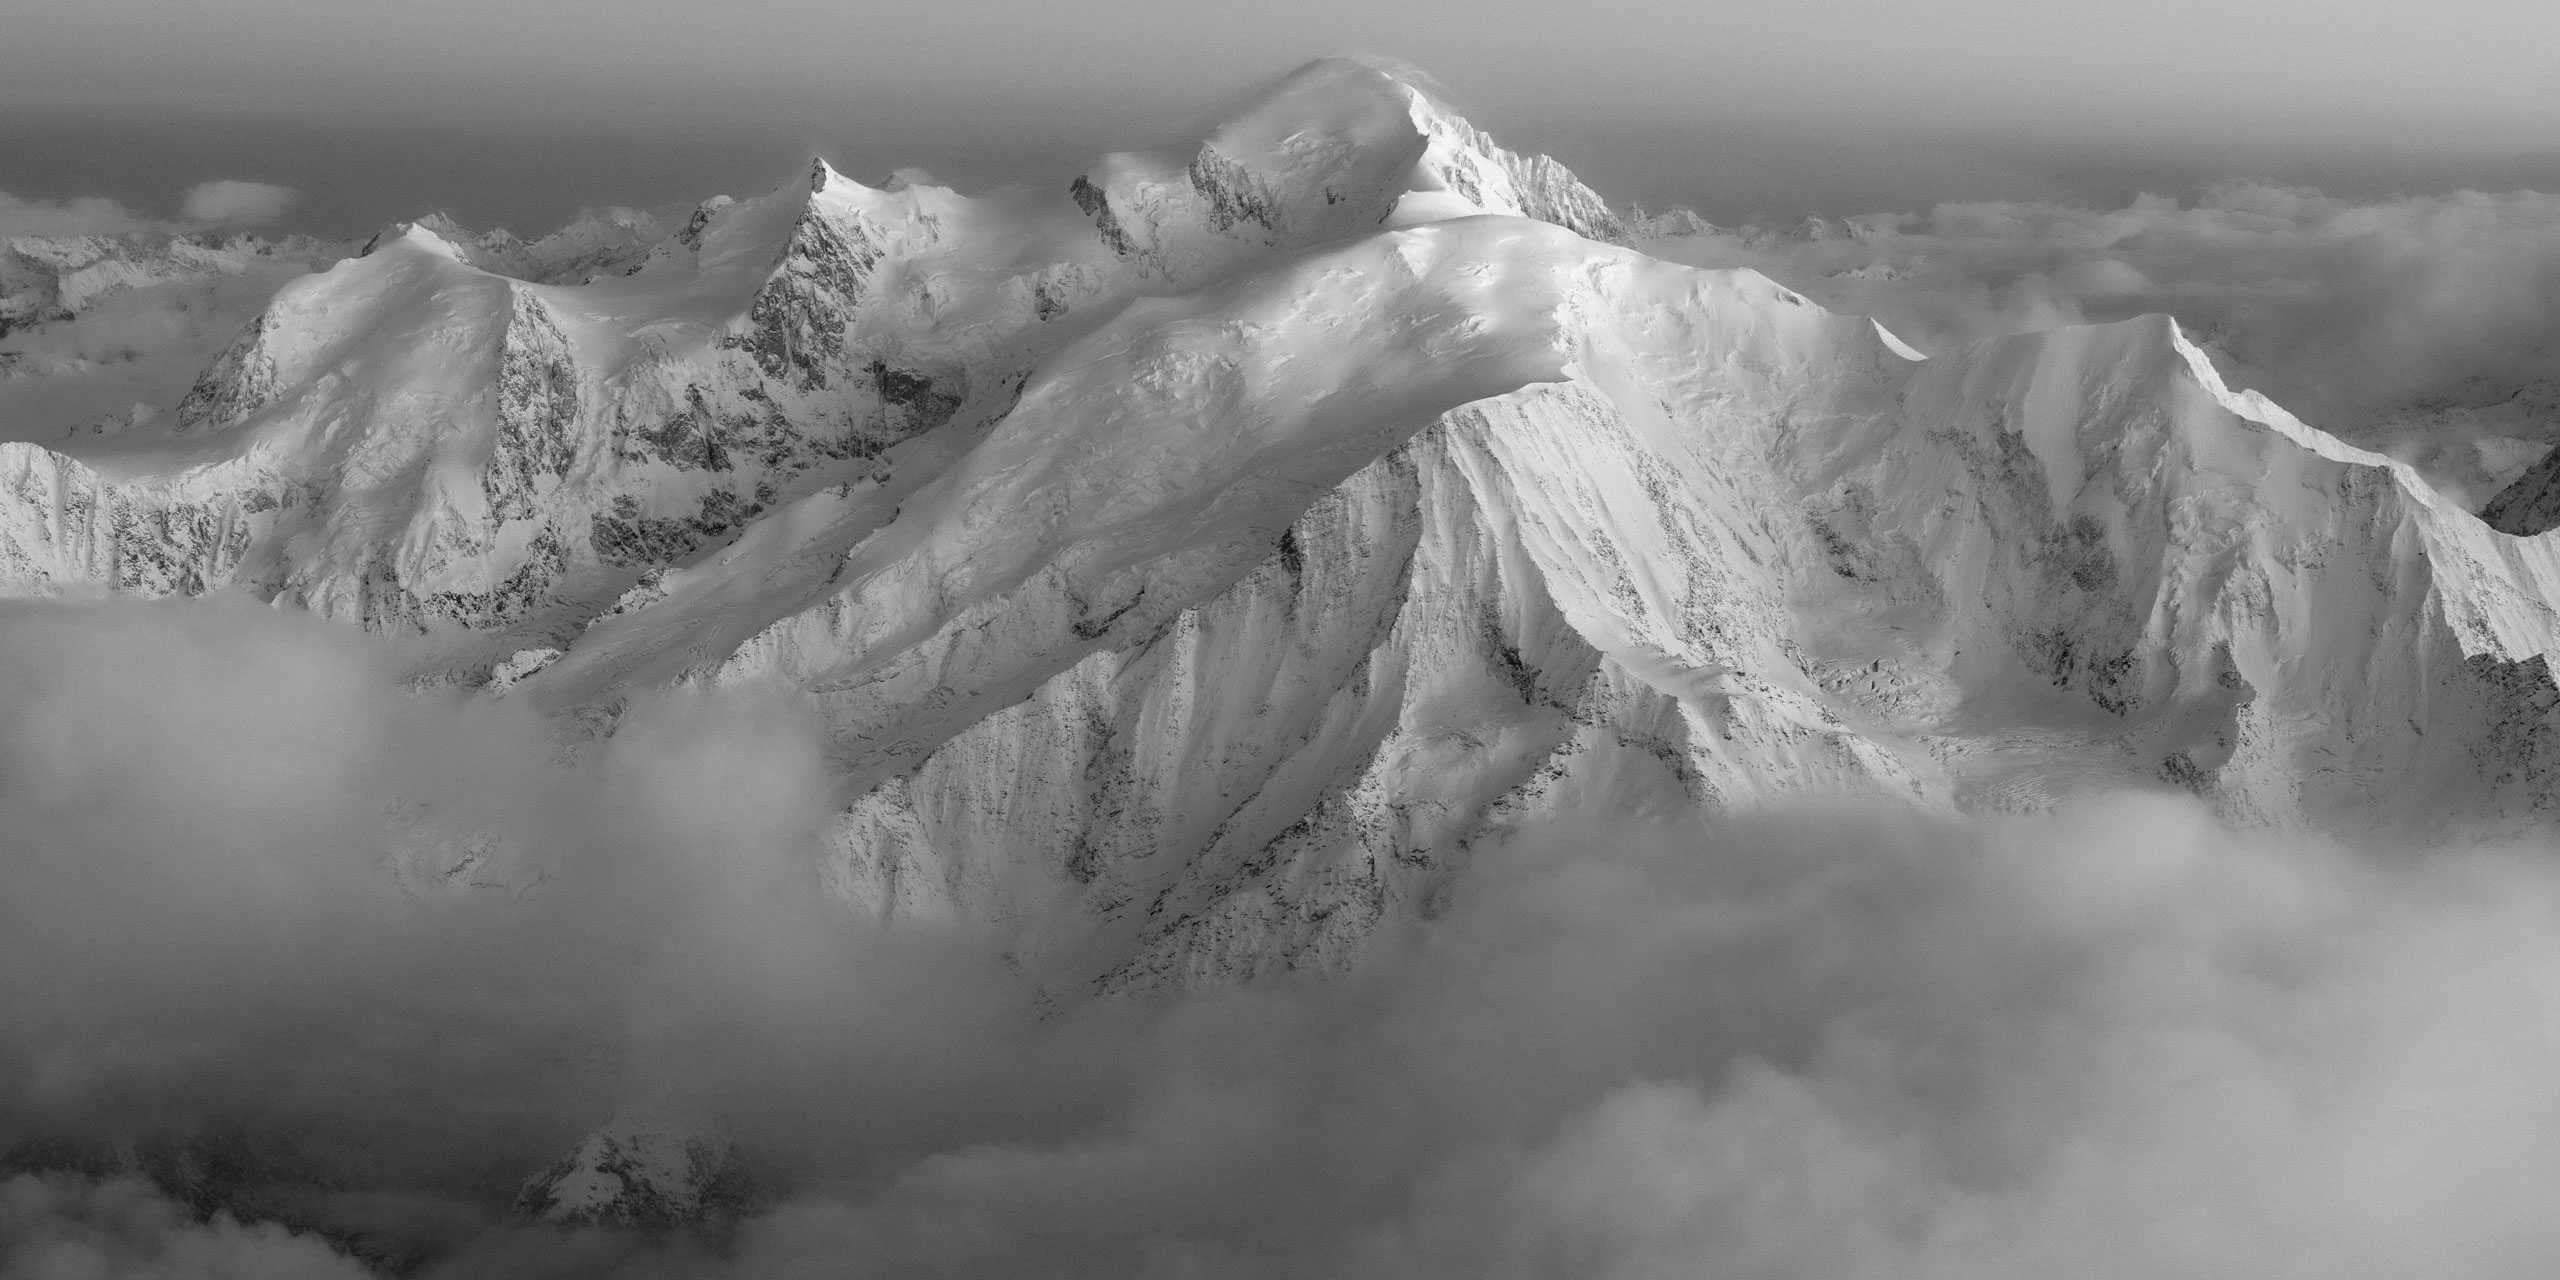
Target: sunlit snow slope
[1190, 564]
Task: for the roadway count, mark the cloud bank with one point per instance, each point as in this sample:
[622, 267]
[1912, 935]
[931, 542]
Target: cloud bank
[2118, 1041]
[122, 1229]
[80, 216]
[223, 205]
[233, 203]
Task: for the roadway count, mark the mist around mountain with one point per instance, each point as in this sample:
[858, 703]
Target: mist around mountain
[1310, 702]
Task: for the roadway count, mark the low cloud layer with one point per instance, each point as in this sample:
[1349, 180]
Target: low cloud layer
[2352, 314]
[123, 1229]
[227, 204]
[81, 216]
[2118, 1041]
[232, 203]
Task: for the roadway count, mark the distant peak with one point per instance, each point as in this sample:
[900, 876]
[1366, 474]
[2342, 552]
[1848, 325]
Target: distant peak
[1327, 93]
[437, 226]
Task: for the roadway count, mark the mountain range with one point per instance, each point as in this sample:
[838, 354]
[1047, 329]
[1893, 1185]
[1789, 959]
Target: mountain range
[1192, 562]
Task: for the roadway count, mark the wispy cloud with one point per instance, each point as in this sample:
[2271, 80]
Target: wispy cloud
[223, 205]
[82, 216]
[233, 203]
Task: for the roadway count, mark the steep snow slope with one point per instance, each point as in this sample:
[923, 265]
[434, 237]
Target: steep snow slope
[1190, 565]
[1545, 601]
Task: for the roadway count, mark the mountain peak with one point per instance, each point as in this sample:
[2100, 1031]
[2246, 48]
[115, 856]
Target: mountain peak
[1334, 148]
[1350, 69]
[435, 233]
[1334, 96]
[823, 175]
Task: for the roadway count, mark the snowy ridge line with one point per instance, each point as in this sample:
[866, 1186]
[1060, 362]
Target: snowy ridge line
[2506, 581]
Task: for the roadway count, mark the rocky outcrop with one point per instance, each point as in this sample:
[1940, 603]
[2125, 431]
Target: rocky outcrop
[644, 1175]
[2530, 504]
[538, 414]
[240, 383]
[797, 325]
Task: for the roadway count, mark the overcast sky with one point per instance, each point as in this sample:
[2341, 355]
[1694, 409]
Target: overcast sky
[512, 110]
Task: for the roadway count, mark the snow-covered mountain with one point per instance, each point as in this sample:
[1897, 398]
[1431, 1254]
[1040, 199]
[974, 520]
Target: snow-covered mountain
[1190, 563]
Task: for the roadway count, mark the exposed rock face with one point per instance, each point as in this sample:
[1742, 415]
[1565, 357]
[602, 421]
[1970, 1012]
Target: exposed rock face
[2530, 504]
[239, 384]
[1469, 163]
[538, 414]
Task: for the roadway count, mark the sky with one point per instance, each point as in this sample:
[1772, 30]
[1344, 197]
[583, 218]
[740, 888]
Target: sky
[510, 112]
